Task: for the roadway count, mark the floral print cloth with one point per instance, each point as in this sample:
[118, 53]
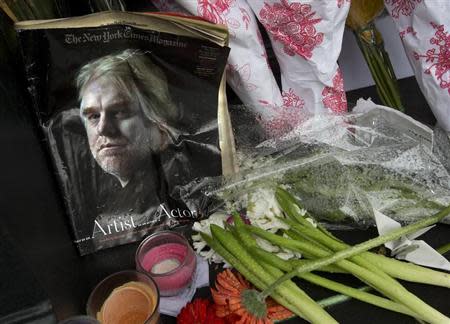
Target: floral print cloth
[424, 28]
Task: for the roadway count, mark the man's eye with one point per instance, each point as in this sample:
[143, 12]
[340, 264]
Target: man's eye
[93, 117]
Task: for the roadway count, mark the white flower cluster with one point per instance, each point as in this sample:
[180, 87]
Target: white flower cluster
[203, 226]
[262, 211]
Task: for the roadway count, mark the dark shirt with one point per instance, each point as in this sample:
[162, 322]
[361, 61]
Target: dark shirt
[126, 213]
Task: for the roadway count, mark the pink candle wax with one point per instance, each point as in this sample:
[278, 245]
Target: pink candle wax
[171, 266]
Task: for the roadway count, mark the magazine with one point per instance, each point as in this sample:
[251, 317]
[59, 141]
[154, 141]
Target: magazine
[134, 111]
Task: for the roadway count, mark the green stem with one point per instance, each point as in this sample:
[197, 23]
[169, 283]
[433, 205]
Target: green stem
[357, 294]
[242, 269]
[370, 42]
[288, 202]
[386, 75]
[346, 291]
[444, 249]
[273, 264]
[369, 273]
[362, 247]
[311, 310]
[358, 260]
[335, 286]
[339, 299]
[374, 70]
[332, 301]
[382, 90]
[428, 313]
[249, 243]
[306, 239]
[409, 271]
[330, 268]
[394, 291]
[274, 271]
[391, 267]
[393, 79]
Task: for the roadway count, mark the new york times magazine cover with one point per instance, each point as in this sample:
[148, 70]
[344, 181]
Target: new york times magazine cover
[129, 107]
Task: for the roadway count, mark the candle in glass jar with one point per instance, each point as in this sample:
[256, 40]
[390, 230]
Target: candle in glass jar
[133, 302]
[170, 266]
[164, 266]
[168, 258]
[125, 297]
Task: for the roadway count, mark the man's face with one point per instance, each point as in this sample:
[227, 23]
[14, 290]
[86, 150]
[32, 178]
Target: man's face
[120, 137]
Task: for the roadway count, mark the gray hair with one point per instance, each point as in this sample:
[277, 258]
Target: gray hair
[135, 72]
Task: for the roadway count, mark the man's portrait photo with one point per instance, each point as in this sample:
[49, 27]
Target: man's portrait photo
[127, 111]
[132, 112]
[129, 149]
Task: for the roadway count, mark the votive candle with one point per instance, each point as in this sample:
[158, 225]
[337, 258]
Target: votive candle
[126, 297]
[169, 259]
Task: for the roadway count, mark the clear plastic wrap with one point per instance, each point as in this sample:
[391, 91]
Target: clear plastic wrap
[342, 168]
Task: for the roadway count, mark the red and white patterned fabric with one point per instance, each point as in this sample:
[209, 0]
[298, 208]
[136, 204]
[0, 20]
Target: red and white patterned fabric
[306, 36]
[424, 28]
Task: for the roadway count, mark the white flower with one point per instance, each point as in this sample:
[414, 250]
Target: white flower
[266, 245]
[262, 203]
[312, 221]
[262, 211]
[203, 226]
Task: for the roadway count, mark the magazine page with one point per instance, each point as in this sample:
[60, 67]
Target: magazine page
[130, 116]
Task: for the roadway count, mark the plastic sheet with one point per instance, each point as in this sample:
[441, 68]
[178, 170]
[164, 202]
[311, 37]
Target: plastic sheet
[341, 168]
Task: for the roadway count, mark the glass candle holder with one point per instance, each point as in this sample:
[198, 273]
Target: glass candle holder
[125, 297]
[169, 259]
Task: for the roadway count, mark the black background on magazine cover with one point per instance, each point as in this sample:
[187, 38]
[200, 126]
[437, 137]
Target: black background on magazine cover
[51, 65]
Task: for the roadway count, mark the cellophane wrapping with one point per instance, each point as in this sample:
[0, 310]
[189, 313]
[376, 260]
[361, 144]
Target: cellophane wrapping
[343, 167]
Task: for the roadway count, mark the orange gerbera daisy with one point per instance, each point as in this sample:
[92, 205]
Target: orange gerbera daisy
[228, 299]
